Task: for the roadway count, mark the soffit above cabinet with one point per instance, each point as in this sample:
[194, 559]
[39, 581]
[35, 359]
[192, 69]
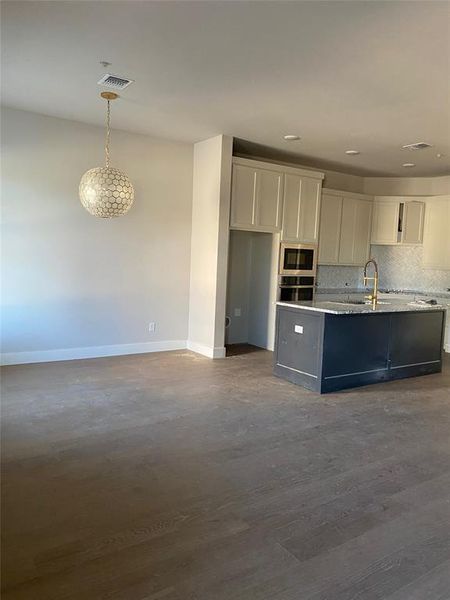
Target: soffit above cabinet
[342, 194]
[257, 164]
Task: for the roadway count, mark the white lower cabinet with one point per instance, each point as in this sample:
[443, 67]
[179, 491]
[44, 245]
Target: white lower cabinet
[345, 224]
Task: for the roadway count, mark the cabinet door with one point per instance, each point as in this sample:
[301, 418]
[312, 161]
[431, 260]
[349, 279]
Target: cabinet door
[436, 236]
[363, 222]
[413, 222]
[301, 209]
[355, 231]
[268, 200]
[308, 227]
[385, 222]
[415, 338]
[348, 228]
[243, 197]
[291, 208]
[330, 227]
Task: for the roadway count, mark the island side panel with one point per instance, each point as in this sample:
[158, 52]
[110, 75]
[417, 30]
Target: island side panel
[416, 343]
[355, 350]
[298, 346]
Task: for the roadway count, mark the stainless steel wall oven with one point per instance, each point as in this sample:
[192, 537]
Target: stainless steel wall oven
[298, 259]
[292, 289]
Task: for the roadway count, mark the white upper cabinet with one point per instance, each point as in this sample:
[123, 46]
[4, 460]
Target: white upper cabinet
[271, 198]
[436, 236]
[397, 221]
[301, 209]
[355, 231]
[268, 199]
[256, 198]
[412, 227]
[385, 222]
[243, 196]
[345, 223]
[330, 229]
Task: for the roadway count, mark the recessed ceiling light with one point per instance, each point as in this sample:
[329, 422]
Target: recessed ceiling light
[408, 165]
[291, 138]
[352, 152]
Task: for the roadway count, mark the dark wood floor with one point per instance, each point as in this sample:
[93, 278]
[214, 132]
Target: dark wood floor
[170, 476]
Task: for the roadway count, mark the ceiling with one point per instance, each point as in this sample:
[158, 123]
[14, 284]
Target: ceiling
[369, 75]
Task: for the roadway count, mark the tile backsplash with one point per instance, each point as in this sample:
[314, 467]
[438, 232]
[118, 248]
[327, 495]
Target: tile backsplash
[339, 277]
[400, 268]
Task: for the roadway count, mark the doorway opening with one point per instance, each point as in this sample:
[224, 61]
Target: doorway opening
[251, 291]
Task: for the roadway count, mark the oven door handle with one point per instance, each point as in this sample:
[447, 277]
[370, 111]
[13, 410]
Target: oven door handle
[295, 286]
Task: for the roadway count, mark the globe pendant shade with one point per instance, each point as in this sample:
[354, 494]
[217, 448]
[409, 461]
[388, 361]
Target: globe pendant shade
[106, 192]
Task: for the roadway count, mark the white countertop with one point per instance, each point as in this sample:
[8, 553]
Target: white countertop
[443, 294]
[383, 306]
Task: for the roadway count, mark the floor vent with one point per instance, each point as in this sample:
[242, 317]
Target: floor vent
[114, 82]
[417, 146]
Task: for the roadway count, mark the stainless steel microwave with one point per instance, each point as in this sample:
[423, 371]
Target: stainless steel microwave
[298, 259]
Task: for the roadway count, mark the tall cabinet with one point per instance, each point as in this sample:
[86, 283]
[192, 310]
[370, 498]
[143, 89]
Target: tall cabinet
[345, 223]
[266, 198]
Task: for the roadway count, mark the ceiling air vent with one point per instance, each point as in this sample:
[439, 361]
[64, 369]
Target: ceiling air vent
[417, 146]
[114, 82]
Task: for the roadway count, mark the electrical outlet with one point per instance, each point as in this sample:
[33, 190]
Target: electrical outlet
[237, 312]
[152, 327]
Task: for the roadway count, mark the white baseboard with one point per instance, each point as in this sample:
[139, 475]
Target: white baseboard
[209, 351]
[20, 358]
[37, 356]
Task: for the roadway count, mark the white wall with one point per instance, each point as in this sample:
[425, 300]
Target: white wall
[252, 288]
[376, 186]
[238, 289]
[407, 186]
[263, 290]
[400, 268]
[77, 286]
[333, 179]
[72, 281]
[209, 248]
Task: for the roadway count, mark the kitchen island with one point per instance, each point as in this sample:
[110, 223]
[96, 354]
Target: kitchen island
[332, 345]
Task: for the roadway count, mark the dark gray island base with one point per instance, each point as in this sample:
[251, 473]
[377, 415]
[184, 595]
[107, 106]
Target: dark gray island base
[328, 349]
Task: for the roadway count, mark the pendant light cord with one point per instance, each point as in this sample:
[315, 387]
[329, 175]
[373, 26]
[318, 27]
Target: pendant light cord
[108, 133]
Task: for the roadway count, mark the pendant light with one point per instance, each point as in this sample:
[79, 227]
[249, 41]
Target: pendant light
[104, 191]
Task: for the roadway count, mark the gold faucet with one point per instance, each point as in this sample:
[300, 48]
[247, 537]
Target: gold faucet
[373, 297]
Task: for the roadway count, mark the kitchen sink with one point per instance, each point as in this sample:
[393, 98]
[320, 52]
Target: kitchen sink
[357, 302]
